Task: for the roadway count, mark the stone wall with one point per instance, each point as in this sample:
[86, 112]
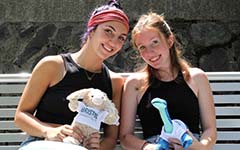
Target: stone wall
[209, 31]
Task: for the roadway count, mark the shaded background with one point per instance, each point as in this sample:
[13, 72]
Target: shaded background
[209, 31]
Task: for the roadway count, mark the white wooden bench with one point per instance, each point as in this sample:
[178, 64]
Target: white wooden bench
[225, 86]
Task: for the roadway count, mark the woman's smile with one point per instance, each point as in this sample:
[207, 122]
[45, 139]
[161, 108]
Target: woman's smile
[109, 49]
[154, 59]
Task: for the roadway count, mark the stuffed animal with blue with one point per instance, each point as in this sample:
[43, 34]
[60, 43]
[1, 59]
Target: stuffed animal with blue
[172, 128]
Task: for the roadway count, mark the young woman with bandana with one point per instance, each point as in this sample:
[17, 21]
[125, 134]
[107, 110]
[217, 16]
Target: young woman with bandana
[167, 76]
[43, 111]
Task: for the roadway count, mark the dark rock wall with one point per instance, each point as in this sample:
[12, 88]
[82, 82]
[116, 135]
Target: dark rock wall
[209, 31]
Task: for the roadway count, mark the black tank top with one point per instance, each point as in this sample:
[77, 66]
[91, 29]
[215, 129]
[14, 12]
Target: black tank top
[53, 107]
[182, 104]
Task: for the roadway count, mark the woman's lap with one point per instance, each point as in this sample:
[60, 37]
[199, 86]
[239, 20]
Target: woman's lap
[33, 143]
[153, 139]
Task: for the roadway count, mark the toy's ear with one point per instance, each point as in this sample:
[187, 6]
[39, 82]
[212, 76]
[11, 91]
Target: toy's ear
[80, 94]
[73, 106]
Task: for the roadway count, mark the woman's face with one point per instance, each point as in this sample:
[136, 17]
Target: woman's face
[108, 38]
[153, 48]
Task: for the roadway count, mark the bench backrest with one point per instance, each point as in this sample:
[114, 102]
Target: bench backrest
[226, 92]
[225, 86]
[11, 87]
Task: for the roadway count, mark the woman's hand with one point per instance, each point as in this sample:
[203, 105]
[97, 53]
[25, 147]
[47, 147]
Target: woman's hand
[59, 133]
[175, 144]
[92, 142]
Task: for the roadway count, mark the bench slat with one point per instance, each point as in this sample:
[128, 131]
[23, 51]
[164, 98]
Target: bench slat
[7, 112]
[227, 111]
[223, 76]
[9, 147]
[220, 111]
[221, 99]
[227, 147]
[12, 137]
[228, 135]
[8, 125]
[14, 78]
[228, 123]
[17, 80]
[231, 86]
[12, 88]
[7, 100]
[218, 99]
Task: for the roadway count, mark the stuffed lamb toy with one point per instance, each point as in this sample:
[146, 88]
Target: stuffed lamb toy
[93, 107]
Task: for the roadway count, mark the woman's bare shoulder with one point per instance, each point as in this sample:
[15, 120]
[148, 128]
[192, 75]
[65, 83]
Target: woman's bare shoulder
[52, 60]
[137, 76]
[49, 67]
[50, 63]
[196, 71]
[197, 74]
[136, 79]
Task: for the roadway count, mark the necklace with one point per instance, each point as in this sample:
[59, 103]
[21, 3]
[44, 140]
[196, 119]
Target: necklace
[89, 77]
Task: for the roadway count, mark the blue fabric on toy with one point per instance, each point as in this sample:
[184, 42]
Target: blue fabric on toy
[172, 128]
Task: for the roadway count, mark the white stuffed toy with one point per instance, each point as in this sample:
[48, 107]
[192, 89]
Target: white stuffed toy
[94, 108]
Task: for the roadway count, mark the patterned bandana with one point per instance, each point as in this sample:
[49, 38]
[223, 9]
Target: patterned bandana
[109, 15]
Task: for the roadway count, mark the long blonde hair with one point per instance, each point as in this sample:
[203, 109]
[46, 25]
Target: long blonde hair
[157, 22]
